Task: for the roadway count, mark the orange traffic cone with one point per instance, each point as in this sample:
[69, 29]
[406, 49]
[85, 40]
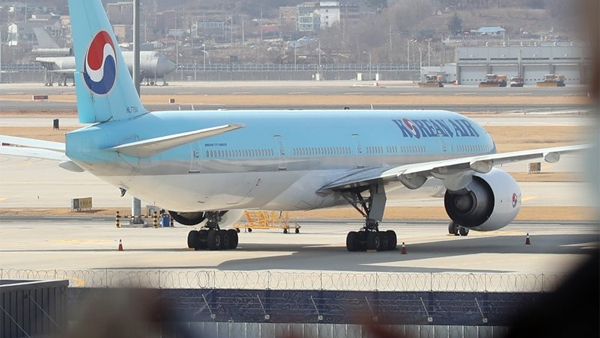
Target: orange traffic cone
[403, 249]
[120, 246]
[527, 241]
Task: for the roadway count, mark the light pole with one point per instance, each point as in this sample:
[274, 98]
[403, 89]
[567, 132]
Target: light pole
[370, 54]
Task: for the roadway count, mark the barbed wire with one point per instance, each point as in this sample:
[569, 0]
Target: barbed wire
[296, 280]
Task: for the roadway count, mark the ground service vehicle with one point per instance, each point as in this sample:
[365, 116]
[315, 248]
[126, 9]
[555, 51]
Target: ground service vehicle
[431, 81]
[552, 80]
[493, 80]
[516, 81]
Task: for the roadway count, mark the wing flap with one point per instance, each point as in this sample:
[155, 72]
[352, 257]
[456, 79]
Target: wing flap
[153, 146]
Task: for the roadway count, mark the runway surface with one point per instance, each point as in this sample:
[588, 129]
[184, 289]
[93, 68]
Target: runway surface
[91, 244]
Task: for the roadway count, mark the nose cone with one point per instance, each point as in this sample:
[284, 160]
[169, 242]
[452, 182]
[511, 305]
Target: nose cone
[164, 67]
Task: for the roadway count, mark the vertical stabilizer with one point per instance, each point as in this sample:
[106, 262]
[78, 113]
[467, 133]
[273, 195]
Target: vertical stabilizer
[105, 90]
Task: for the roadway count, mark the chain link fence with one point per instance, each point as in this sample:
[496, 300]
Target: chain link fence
[296, 280]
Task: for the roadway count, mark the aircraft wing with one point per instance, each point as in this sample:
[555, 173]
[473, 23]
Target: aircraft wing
[409, 174]
[150, 147]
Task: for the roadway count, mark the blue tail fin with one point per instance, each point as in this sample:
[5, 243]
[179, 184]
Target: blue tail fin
[105, 90]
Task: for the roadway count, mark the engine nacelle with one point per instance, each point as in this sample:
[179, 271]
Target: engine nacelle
[227, 218]
[188, 218]
[490, 202]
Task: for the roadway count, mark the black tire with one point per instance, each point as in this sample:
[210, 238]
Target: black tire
[362, 241]
[226, 240]
[374, 241]
[237, 230]
[202, 240]
[352, 243]
[392, 239]
[285, 231]
[249, 229]
[233, 238]
[453, 228]
[297, 230]
[385, 241]
[463, 231]
[215, 240]
[192, 239]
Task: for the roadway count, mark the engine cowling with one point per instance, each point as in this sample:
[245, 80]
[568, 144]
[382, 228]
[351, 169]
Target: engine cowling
[490, 202]
[227, 217]
[188, 218]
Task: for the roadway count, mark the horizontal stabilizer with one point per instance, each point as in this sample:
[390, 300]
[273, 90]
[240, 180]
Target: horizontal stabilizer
[34, 153]
[32, 143]
[153, 146]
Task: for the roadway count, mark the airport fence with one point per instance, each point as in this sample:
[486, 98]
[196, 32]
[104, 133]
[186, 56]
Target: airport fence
[294, 280]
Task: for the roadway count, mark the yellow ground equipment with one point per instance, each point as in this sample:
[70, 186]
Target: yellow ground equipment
[431, 81]
[267, 220]
[552, 80]
[493, 80]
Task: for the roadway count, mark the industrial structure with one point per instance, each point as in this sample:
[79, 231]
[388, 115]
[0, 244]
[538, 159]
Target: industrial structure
[531, 62]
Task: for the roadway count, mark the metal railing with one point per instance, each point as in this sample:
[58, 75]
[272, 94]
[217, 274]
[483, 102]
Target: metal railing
[252, 67]
[297, 280]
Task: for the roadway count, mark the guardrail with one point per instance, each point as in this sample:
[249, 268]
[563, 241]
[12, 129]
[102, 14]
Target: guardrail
[290, 280]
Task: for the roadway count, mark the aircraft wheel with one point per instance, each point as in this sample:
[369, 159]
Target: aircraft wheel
[202, 240]
[392, 239]
[215, 240]
[352, 243]
[233, 238]
[385, 241]
[225, 240]
[297, 230]
[374, 241]
[463, 231]
[453, 228]
[285, 231]
[249, 229]
[192, 240]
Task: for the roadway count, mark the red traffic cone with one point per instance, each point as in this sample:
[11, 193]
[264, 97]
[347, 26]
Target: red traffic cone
[403, 249]
[120, 246]
[527, 241]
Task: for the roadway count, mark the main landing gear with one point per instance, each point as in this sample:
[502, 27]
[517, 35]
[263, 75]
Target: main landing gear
[457, 230]
[369, 237]
[211, 237]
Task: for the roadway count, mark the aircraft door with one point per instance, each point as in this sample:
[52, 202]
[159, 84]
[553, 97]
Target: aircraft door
[195, 162]
[360, 160]
[281, 152]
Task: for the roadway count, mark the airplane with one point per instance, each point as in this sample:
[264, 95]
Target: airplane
[153, 65]
[207, 167]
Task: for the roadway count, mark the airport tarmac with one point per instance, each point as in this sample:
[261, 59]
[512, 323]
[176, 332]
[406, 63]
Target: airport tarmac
[40, 243]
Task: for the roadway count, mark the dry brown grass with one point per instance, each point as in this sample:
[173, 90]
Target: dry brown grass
[300, 100]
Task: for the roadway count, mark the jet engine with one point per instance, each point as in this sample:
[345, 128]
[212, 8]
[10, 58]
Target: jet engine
[490, 202]
[226, 218]
[188, 218]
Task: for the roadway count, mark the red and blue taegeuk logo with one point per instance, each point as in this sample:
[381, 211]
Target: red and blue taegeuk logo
[100, 66]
